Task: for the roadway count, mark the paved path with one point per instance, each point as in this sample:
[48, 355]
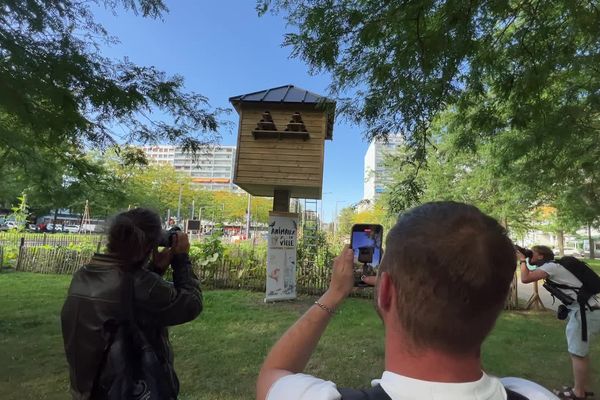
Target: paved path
[525, 291]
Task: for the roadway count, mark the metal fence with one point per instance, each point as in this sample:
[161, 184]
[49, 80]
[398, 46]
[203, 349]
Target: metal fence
[50, 239]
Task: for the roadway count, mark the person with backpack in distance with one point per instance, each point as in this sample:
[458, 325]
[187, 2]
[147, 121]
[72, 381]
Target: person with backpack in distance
[118, 308]
[443, 281]
[575, 284]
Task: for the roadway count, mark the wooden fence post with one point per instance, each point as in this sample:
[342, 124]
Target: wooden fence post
[20, 254]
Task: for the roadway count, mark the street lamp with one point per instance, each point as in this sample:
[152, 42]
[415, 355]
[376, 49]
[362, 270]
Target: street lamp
[248, 216]
[321, 211]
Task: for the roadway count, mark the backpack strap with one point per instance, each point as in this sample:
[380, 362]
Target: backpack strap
[110, 327]
[584, 328]
[510, 395]
[377, 393]
[374, 393]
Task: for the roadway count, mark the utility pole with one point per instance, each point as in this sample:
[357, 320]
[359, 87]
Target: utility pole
[193, 204]
[321, 211]
[248, 216]
[179, 204]
[200, 218]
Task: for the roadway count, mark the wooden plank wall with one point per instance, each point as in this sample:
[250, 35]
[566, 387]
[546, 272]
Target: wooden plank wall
[281, 162]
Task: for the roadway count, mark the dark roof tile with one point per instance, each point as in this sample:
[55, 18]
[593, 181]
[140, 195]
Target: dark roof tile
[281, 94]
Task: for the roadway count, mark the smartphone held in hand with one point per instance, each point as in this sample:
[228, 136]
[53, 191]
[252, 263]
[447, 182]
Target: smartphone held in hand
[366, 243]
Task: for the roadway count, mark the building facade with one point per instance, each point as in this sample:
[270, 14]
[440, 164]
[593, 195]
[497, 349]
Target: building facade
[376, 175]
[212, 168]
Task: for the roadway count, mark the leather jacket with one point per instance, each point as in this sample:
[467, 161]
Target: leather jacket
[95, 297]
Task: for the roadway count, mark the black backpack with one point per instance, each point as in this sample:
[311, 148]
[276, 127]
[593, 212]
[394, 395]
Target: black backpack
[377, 393]
[130, 369]
[590, 287]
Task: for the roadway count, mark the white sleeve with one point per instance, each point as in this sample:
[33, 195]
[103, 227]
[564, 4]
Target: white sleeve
[549, 268]
[529, 389]
[303, 387]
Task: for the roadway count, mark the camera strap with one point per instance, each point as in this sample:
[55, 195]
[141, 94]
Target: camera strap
[582, 299]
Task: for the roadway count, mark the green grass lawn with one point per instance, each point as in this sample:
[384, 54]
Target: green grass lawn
[594, 264]
[218, 355]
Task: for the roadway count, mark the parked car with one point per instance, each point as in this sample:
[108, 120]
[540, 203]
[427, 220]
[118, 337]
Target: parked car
[3, 228]
[52, 228]
[72, 228]
[570, 251]
[11, 225]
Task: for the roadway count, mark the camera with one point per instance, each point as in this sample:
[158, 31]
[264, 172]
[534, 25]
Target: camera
[166, 239]
[562, 313]
[526, 252]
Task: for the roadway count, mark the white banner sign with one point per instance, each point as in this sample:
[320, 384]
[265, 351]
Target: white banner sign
[281, 256]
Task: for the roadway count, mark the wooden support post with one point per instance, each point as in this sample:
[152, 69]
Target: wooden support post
[512, 301]
[535, 301]
[281, 200]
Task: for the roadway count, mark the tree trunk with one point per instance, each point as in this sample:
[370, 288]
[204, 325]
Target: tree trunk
[54, 221]
[591, 243]
[561, 242]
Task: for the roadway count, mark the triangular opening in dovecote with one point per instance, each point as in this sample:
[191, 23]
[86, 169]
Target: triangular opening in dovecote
[296, 124]
[266, 123]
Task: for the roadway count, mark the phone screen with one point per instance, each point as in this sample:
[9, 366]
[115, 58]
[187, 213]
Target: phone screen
[366, 243]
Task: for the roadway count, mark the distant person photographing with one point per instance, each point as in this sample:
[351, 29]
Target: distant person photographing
[575, 284]
[442, 282]
[115, 317]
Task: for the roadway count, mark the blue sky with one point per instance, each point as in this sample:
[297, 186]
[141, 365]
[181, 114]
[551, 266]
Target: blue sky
[222, 48]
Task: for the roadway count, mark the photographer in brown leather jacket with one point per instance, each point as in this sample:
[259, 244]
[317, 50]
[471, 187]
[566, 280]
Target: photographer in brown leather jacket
[95, 296]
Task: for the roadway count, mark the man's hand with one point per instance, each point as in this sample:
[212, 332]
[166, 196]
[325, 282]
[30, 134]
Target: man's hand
[292, 352]
[342, 278]
[181, 243]
[369, 280]
[520, 256]
[162, 260]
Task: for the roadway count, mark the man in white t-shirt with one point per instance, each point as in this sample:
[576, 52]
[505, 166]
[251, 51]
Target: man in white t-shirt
[578, 349]
[438, 302]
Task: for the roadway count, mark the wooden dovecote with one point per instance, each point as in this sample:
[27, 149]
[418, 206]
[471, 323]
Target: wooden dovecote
[281, 141]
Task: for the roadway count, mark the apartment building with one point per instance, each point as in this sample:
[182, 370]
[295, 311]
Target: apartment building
[376, 175]
[212, 168]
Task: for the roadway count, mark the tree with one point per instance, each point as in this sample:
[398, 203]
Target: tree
[580, 206]
[520, 79]
[473, 176]
[60, 185]
[364, 213]
[57, 90]
[232, 207]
